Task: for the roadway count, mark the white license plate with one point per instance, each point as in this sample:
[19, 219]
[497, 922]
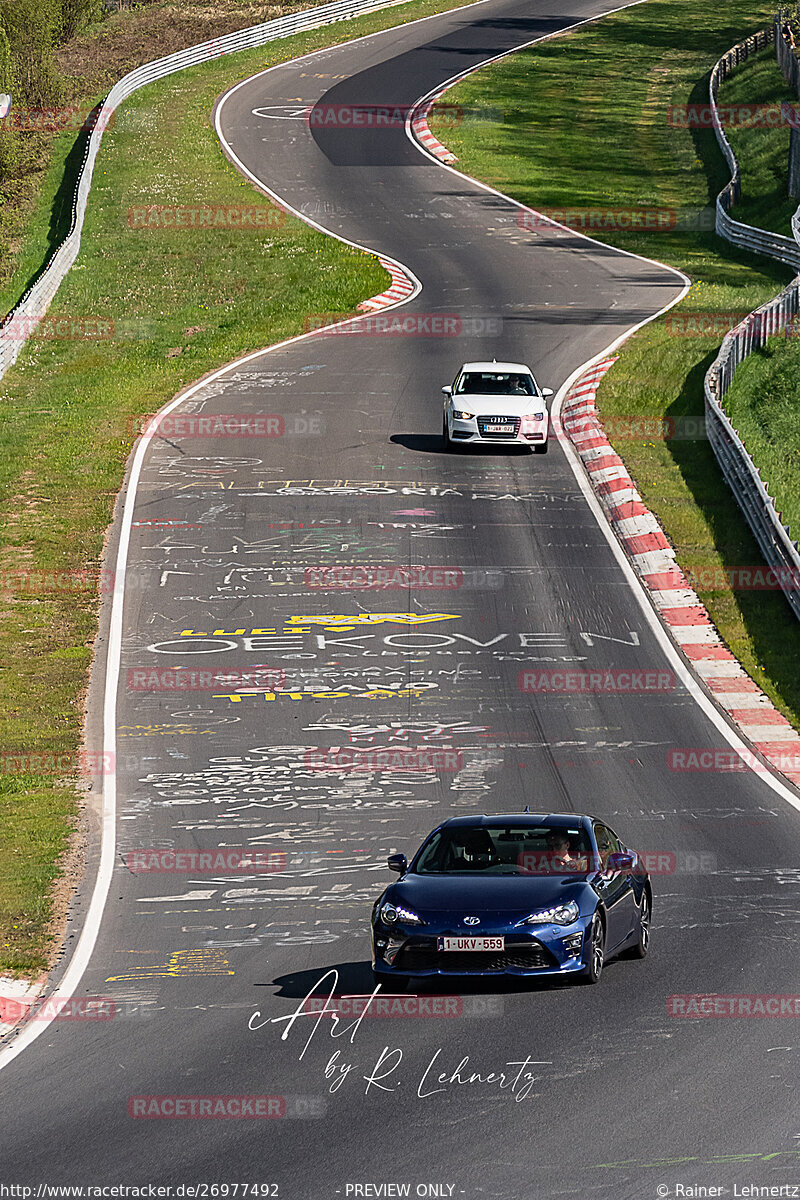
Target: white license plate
[498, 429]
[472, 943]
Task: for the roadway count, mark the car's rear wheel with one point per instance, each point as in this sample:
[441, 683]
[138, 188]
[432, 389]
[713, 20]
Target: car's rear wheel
[596, 952]
[639, 948]
[541, 448]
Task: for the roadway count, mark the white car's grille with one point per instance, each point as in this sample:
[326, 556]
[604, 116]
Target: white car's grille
[498, 427]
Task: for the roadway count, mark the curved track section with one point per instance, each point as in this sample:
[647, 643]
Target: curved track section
[609, 1095]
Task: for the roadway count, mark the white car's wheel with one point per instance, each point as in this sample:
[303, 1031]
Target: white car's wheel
[448, 442]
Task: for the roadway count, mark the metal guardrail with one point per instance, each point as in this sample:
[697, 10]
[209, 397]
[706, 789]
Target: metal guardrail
[738, 468]
[18, 325]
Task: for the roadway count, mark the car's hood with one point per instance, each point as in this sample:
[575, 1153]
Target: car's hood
[506, 406]
[472, 895]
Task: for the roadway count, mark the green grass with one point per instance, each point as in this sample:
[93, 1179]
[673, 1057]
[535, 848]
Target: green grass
[764, 402]
[764, 406]
[182, 302]
[762, 151]
[584, 124]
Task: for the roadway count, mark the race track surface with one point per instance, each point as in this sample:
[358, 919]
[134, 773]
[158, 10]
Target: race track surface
[617, 1097]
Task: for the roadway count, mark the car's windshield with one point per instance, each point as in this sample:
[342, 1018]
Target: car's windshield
[503, 849]
[495, 383]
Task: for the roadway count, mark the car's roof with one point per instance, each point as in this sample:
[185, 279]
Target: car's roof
[521, 818]
[496, 366]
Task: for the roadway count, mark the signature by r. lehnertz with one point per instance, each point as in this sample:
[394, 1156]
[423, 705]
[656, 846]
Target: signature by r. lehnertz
[517, 1078]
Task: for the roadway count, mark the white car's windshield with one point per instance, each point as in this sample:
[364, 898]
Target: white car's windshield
[495, 383]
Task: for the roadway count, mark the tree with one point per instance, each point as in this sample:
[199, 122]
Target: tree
[32, 27]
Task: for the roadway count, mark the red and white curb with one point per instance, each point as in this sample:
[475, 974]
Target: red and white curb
[422, 133]
[16, 997]
[678, 605]
[401, 288]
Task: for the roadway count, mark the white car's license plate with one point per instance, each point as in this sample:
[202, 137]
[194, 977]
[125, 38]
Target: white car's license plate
[498, 429]
[472, 943]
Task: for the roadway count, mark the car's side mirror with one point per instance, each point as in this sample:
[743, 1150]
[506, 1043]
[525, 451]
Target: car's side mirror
[620, 860]
[448, 391]
[547, 392]
[397, 862]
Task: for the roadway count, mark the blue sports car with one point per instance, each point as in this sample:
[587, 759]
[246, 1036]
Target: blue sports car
[516, 894]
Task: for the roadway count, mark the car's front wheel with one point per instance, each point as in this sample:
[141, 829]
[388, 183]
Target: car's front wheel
[595, 952]
[642, 945]
[446, 433]
[541, 448]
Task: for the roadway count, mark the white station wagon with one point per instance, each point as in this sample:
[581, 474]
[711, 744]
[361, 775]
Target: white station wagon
[496, 402]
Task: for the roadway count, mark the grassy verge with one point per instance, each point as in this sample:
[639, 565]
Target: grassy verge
[177, 303]
[584, 124]
[35, 195]
[764, 402]
[762, 150]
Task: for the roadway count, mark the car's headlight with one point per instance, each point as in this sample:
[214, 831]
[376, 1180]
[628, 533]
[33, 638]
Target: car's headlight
[559, 914]
[390, 914]
[538, 416]
[460, 415]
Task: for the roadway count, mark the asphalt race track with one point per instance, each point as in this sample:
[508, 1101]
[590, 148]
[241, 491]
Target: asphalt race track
[610, 1096]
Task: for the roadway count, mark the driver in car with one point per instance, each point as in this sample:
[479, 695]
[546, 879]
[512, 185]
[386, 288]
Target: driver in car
[558, 849]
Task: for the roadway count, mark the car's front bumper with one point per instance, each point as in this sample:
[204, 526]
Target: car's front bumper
[545, 950]
[473, 431]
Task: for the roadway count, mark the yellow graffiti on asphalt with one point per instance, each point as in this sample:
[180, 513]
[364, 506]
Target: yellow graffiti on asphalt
[372, 694]
[373, 619]
[180, 962]
[299, 624]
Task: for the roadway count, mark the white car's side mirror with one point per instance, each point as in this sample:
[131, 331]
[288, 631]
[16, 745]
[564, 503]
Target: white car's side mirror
[547, 391]
[448, 391]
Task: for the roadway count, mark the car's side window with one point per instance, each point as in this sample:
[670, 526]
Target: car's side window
[607, 842]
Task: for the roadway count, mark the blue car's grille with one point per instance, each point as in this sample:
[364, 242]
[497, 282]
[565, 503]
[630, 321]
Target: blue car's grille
[527, 956]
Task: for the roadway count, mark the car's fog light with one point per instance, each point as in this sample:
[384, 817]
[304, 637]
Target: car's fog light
[572, 944]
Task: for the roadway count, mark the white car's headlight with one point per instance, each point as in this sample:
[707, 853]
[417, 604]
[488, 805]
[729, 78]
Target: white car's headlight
[461, 415]
[559, 914]
[390, 914]
[537, 416]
